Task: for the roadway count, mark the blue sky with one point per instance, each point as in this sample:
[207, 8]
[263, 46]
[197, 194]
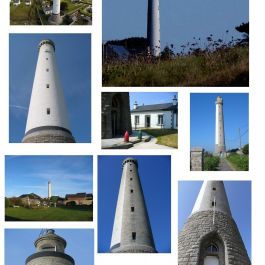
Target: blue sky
[202, 119]
[239, 197]
[21, 242]
[155, 177]
[181, 20]
[68, 174]
[73, 55]
[148, 98]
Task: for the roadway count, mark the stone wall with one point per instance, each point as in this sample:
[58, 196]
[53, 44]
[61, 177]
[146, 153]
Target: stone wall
[49, 136]
[196, 159]
[199, 228]
[122, 110]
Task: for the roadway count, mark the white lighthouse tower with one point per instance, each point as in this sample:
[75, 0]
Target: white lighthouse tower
[132, 231]
[153, 27]
[219, 128]
[55, 18]
[47, 120]
[49, 189]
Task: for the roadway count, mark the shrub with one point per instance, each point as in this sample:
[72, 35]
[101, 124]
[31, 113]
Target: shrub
[211, 163]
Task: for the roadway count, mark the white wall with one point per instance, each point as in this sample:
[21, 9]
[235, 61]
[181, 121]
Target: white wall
[154, 119]
[43, 97]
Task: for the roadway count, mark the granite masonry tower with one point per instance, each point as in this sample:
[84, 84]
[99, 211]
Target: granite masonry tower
[47, 116]
[210, 235]
[55, 18]
[50, 251]
[153, 27]
[219, 128]
[131, 230]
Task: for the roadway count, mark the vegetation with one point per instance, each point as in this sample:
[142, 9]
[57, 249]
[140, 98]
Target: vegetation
[245, 149]
[168, 137]
[216, 63]
[23, 14]
[240, 162]
[224, 67]
[76, 213]
[211, 163]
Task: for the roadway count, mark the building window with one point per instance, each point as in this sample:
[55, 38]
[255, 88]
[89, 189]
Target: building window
[212, 249]
[131, 191]
[48, 111]
[47, 59]
[136, 120]
[132, 209]
[160, 119]
[130, 178]
[133, 235]
[47, 69]
[213, 203]
[214, 188]
[47, 85]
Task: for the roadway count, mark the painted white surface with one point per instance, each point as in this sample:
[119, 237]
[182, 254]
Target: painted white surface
[116, 231]
[56, 7]
[211, 260]
[49, 189]
[43, 97]
[207, 195]
[167, 115]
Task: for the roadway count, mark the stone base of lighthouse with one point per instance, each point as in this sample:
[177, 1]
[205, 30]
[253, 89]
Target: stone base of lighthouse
[55, 19]
[220, 150]
[200, 232]
[133, 249]
[48, 135]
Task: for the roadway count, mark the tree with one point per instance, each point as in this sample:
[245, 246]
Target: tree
[64, 6]
[244, 28]
[7, 203]
[245, 149]
[167, 53]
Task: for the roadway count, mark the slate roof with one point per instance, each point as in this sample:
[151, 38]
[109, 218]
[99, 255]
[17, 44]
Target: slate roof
[156, 107]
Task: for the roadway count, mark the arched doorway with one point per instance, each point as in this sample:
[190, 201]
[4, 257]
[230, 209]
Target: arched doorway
[212, 251]
[116, 115]
[211, 260]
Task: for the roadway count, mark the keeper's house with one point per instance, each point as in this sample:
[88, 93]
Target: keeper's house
[156, 116]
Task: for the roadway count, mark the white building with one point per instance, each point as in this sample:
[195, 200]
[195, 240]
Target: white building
[156, 116]
[27, 2]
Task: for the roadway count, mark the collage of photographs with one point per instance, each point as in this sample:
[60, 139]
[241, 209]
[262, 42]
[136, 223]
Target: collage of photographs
[125, 132]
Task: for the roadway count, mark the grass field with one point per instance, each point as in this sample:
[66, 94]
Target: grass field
[168, 137]
[49, 214]
[239, 162]
[225, 67]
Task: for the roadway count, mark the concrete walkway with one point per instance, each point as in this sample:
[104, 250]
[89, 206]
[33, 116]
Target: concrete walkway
[224, 165]
[118, 142]
[150, 145]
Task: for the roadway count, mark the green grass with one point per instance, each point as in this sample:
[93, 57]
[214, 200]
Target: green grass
[226, 67]
[50, 214]
[239, 162]
[168, 137]
[211, 163]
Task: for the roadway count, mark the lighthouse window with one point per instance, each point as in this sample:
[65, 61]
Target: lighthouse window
[212, 248]
[132, 209]
[133, 235]
[131, 191]
[47, 70]
[214, 188]
[130, 178]
[213, 203]
[48, 111]
[47, 85]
